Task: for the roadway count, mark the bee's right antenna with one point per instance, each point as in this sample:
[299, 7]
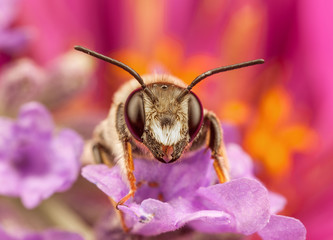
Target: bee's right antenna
[121, 65]
[214, 71]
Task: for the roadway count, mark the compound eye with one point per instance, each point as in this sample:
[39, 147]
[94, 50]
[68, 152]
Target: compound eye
[135, 114]
[195, 115]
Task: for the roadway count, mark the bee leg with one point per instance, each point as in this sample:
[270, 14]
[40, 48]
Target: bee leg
[215, 143]
[102, 154]
[129, 165]
[121, 217]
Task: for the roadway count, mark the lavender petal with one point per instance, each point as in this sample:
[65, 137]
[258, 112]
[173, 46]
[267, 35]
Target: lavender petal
[281, 227]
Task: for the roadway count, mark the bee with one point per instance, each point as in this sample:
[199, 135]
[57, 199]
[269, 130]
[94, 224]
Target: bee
[158, 117]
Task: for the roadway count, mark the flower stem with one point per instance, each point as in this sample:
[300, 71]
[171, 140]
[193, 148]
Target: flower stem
[64, 217]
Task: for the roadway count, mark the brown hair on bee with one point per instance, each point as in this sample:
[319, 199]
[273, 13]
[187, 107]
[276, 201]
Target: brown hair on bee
[158, 117]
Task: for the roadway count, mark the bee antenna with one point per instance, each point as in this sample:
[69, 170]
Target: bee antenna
[121, 65]
[214, 71]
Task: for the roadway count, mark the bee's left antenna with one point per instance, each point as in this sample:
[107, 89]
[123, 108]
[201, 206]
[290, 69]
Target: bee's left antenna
[214, 71]
[121, 65]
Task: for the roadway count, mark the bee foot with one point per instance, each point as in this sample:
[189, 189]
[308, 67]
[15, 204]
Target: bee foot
[124, 199]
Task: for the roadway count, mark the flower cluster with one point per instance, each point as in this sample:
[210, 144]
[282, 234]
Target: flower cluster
[187, 194]
[35, 163]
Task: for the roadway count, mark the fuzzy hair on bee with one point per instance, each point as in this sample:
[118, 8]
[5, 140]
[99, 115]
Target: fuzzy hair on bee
[158, 117]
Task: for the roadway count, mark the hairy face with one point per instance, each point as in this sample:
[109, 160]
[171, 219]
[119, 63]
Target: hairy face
[166, 129]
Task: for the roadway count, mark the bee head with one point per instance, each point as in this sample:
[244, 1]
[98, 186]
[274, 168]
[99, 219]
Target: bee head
[166, 125]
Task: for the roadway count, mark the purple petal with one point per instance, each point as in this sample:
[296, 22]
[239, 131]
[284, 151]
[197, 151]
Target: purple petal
[281, 227]
[61, 170]
[153, 217]
[67, 147]
[277, 202]
[36, 189]
[239, 206]
[209, 221]
[240, 163]
[10, 181]
[186, 177]
[109, 180]
[245, 199]
[241, 166]
[175, 180]
[231, 133]
[34, 121]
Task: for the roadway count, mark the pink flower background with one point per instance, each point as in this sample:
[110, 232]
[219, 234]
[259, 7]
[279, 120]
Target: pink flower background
[283, 109]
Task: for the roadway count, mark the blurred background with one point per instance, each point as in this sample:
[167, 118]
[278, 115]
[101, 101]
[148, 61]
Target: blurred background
[281, 111]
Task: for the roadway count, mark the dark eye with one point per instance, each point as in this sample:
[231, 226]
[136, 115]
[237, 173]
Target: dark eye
[195, 115]
[135, 114]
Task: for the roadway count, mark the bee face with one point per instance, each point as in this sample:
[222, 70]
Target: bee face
[165, 126]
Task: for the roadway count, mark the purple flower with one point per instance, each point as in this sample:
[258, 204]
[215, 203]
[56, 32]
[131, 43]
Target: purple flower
[186, 193]
[51, 234]
[33, 162]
